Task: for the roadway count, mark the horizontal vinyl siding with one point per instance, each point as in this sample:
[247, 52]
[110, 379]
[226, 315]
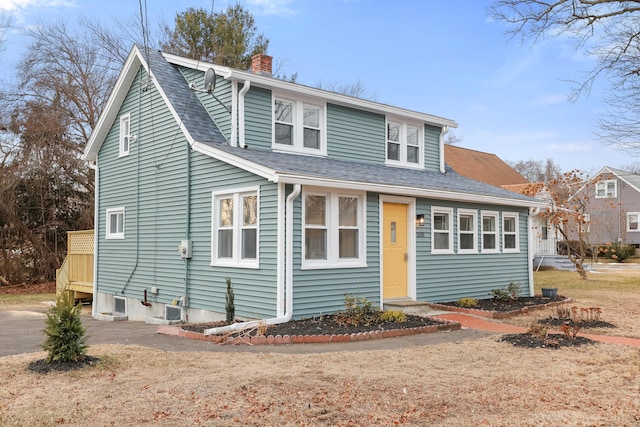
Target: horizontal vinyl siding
[431, 148]
[216, 109]
[448, 277]
[258, 118]
[254, 289]
[322, 291]
[150, 183]
[354, 135]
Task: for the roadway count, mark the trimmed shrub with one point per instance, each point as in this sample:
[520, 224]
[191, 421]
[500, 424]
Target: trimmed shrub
[616, 251]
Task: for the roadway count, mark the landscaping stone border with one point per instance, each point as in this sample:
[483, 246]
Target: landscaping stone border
[176, 330]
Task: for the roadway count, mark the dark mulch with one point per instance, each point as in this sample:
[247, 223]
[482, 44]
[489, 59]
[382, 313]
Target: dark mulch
[511, 305]
[582, 324]
[551, 341]
[41, 366]
[323, 325]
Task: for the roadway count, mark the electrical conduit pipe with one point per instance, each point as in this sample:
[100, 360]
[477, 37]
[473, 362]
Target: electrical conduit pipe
[288, 267]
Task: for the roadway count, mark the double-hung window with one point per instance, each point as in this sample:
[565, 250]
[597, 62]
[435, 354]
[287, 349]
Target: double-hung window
[510, 238]
[441, 230]
[125, 135]
[489, 232]
[606, 189]
[115, 223]
[405, 143]
[235, 228]
[298, 126]
[333, 230]
[467, 231]
[633, 218]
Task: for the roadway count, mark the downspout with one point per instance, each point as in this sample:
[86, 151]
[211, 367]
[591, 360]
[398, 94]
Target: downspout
[443, 132]
[288, 267]
[243, 91]
[532, 212]
[187, 234]
[96, 223]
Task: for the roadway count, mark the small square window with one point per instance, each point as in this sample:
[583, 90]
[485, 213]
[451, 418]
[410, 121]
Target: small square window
[115, 223]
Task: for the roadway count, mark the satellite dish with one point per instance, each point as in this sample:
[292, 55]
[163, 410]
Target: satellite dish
[210, 80]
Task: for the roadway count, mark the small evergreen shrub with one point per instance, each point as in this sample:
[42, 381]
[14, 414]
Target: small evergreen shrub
[467, 302]
[616, 251]
[508, 293]
[66, 339]
[229, 304]
[393, 316]
[358, 311]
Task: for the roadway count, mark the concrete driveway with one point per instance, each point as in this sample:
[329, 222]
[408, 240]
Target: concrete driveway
[22, 332]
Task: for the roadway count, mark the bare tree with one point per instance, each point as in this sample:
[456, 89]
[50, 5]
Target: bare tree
[356, 89]
[538, 170]
[608, 30]
[453, 139]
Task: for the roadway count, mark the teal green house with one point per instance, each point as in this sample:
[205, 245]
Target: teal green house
[297, 195]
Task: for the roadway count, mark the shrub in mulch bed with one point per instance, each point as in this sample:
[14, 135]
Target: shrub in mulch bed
[553, 341]
[499, 309]
[582, 324]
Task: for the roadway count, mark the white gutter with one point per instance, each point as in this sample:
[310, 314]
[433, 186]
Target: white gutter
[96, 223]
[243, 91]
[288, 277]
[444, 131]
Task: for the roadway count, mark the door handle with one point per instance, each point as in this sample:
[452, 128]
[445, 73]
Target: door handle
[406, 257]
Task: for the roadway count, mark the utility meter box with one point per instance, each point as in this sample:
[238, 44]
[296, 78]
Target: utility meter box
[185, 249]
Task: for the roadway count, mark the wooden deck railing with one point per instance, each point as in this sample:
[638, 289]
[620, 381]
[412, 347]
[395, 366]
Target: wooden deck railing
[76, 272]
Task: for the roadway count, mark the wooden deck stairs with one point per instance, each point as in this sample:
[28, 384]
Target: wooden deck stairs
[76, 273]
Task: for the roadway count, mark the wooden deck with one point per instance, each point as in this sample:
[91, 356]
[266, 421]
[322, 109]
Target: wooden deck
[76, 273]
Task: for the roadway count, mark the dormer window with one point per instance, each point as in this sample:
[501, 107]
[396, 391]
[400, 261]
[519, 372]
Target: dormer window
[125, 135]
[404, 144]
[298, 126]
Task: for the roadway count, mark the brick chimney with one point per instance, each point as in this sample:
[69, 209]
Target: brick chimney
[261, 64]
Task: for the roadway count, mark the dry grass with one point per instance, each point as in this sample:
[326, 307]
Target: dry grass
[478, 382]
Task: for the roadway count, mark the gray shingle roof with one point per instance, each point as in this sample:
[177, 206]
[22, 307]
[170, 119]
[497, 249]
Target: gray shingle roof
[202, 128]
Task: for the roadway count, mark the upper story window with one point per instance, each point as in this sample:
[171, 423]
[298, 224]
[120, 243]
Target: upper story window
[489, 232]
[234, 239]
[404, 144]
[125, 135]
[606, 189]
[115, 223]
[510, 235]
[467, 231]
[441, 230]
[633, 218]
[334, 232]
[298, 126]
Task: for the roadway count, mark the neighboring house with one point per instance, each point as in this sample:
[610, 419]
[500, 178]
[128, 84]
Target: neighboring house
[297, 195]
[614, 208]
[489, 168]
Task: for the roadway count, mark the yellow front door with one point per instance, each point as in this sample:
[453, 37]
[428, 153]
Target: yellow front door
[395, 251]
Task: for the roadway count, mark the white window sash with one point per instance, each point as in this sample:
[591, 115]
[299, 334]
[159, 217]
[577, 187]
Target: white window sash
[473, 232]
[403, 144]
[115, 234]
[516, 238]
[494, 233]
[449, 231]
[298, 127]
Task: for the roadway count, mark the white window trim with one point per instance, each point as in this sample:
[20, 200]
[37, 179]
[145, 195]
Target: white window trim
[474, 214]
[496, 216]
[298, 126]
[449, 211]
[637, 214]
[108, 234]
[516, 217]
[605, 184]
[236, 260]
[126, 119]
[332, 217]
[403, 144]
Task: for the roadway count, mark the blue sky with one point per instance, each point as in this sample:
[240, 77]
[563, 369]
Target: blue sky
[445, 58]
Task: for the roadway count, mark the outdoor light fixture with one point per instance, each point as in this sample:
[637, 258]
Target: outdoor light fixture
[420, 219]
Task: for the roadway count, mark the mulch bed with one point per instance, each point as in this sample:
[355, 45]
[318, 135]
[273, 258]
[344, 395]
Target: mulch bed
[41, 366]
[553, 341]
[323, 325]
[502, 309]
[582, 324]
